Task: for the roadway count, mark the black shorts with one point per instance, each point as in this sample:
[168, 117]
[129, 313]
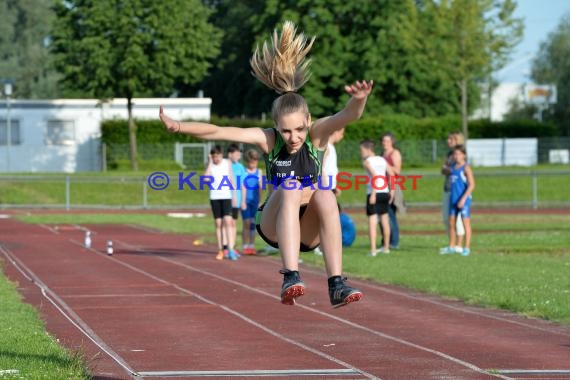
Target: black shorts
[303, 247]
[381, 205]
[221, 207]
[235, 213]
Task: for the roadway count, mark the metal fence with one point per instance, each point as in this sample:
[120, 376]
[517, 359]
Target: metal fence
[415, 153]
[528, 189]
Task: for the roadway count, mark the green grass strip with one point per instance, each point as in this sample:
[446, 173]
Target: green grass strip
[26, 350]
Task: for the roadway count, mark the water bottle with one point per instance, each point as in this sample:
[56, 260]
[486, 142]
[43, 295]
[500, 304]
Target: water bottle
[87, 242]
[109, 247]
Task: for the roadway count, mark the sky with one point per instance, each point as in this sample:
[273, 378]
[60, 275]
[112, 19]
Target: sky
[540, 17]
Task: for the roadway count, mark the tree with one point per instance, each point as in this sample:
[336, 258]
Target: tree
[552, 66]
[518, 110]
[347, 49]
[230, 83]
[410, 48]
[477, 37]
[130, 48]
[24, 30]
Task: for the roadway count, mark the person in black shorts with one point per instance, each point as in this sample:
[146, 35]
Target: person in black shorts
[379, 195]
[220, 169]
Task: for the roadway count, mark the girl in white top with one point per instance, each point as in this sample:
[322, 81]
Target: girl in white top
[379, 195]
[222, 190]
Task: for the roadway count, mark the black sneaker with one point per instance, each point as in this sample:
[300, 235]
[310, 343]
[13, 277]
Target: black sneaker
[292, 287]
[341, 294]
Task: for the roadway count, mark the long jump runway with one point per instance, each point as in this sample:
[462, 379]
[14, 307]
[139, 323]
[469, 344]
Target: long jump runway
[163, 308]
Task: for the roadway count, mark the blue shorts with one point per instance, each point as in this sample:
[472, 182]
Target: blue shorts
[465, 212]
[250, 211]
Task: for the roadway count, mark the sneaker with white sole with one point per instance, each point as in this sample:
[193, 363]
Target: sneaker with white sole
[466, 252]
[383, 251]
[447, 251]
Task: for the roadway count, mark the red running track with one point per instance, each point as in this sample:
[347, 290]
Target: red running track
[163, 308]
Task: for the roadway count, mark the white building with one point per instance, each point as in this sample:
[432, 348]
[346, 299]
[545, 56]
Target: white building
[500, 103]
[65, 135]
[505, 94]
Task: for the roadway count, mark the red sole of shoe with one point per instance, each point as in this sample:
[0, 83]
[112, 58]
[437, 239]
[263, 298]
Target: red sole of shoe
[354, 297]
[289, 295]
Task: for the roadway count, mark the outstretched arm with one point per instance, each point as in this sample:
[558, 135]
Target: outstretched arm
[323, 128]
[207, 131]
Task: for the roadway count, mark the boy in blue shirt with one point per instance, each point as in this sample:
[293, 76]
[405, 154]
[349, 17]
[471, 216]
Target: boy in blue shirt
[239, 201]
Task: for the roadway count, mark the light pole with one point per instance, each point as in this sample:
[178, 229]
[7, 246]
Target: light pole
[8, 93]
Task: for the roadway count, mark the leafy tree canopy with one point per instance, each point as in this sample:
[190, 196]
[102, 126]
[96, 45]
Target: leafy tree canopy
[416, 51]
[552, 66]
[24, 31]
[126, 48]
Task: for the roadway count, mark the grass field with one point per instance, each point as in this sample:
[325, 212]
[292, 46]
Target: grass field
[26, 350]
[125, 189]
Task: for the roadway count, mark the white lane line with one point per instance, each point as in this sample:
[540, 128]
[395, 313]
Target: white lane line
[251, 373]
[122, 295]
[53, 230]
[533, 371]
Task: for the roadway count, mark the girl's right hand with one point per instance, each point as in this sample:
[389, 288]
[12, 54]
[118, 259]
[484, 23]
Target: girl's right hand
[171, 125]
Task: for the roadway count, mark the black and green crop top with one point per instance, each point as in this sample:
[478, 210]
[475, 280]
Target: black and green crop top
[303, 165]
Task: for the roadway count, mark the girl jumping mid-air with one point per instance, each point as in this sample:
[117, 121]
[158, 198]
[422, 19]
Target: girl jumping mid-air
[295, 216]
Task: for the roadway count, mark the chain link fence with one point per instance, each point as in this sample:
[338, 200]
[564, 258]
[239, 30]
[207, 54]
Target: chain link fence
[415, 153]
[183, 189]
[518, 187]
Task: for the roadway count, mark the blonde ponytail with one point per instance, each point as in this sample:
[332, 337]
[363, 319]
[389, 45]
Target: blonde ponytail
[283, 67]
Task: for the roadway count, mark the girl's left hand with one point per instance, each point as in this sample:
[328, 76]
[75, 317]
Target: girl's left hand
[359, 90]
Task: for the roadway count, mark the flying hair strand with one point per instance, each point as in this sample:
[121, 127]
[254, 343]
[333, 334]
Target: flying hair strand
[283, 66]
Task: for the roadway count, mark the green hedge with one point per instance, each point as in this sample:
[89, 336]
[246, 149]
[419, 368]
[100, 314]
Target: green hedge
[402, 126]
[408, 128]
[513, 129]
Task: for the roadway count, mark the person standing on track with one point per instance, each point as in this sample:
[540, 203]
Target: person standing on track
[462, 185]
[221, 195]
[253, 200]
[307, 216]
[379, 196]
[394, 159]
[238, 202]
[453, 139]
